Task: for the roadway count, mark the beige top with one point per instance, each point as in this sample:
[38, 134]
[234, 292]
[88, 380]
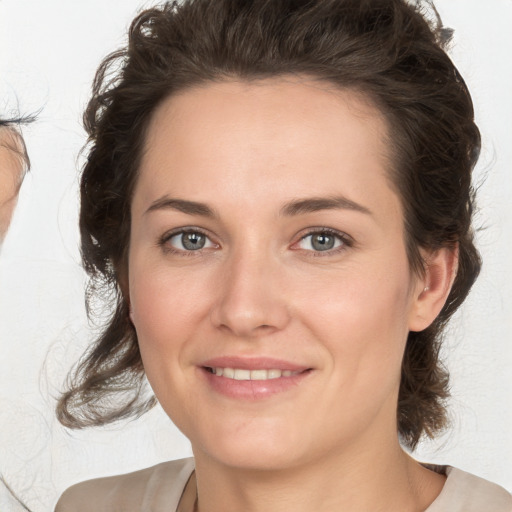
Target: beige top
[149, 490]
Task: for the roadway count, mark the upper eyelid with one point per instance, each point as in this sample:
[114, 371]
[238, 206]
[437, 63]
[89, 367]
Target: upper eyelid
[347, 242]
[163, 242]
[185, 229]
[319, 229]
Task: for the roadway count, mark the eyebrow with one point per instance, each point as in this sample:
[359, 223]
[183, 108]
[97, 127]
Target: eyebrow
[315, 204]
[292, 208]
[181, 205]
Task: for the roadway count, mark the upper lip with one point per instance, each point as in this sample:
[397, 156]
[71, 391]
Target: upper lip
[253, 363]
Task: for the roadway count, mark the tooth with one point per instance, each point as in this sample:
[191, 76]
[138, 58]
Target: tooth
[228, 372]
[259, 374]
[242, 374]
[274, 374]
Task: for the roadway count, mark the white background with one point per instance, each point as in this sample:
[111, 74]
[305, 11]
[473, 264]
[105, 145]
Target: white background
[49, 51]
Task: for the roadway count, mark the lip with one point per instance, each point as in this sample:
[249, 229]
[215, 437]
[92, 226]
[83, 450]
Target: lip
[252, 390]
[253, 363]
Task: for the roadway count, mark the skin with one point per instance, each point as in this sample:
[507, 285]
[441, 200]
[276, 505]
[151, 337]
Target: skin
[258, 288]
[11, 175]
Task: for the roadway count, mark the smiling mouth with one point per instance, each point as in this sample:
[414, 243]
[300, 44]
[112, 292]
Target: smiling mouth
[244, 374]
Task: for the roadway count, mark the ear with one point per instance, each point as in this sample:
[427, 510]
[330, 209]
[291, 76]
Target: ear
[432, 289]
[122, 281]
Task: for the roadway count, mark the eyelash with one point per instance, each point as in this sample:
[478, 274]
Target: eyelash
[163, 242]
[346, 241]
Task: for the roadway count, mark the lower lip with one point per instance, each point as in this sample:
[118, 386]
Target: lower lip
[252, 389]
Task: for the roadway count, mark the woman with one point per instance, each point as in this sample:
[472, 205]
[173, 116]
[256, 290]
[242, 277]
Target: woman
[279, 193]
[14, 163]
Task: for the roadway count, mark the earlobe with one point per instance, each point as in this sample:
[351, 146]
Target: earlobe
[433, 288]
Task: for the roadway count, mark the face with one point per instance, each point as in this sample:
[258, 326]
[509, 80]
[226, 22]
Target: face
[11, 173]
[268, 277]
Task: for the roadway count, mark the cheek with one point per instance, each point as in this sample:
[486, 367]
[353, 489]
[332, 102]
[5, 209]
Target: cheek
[362, 319]
[166, 307]
[163, 316]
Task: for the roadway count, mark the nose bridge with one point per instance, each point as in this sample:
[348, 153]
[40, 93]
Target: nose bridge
[251, 299]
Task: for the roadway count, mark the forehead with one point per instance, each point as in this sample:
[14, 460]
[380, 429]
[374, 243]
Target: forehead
[291, 136]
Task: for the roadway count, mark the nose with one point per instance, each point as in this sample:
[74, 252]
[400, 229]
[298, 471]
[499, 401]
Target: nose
[251, 298]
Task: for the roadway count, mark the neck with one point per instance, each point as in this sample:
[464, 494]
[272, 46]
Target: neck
[357, 480]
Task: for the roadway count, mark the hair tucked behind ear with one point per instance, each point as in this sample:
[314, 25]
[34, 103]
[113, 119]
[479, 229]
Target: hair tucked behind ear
[383, 48]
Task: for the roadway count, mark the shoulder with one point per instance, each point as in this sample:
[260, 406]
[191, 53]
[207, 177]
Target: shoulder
[155, 489]
[465, 492]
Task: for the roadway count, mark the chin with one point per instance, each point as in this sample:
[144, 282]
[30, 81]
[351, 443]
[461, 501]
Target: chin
[255, 458]
[255, 448]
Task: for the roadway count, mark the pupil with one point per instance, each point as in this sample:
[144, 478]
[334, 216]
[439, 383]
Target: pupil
[193, 241]
[322, 242]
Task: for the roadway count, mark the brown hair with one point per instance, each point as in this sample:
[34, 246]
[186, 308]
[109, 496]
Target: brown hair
[384, 48]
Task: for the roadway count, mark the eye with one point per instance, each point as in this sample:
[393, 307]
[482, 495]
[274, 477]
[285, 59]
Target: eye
[188, 241]
[322, 241]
